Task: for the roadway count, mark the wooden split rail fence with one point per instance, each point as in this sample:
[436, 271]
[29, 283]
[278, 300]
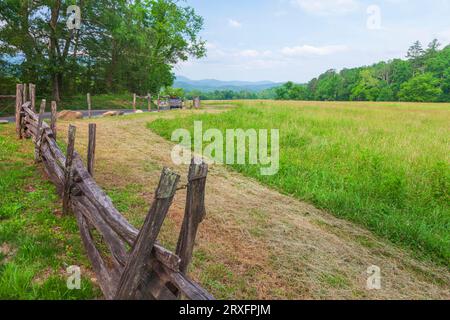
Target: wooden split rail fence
[147, 270]
[148, 97]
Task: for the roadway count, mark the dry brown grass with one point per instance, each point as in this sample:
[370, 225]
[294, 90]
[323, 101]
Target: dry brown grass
[7, 251]
[256, 242]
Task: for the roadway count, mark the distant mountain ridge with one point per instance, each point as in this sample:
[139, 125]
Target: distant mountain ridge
[208, 85]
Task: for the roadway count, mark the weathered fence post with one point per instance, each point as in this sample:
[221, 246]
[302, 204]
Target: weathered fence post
[194, 212]
[149, 102]
[134, 101]
[159, 102]
[197, 102]
[137, 264]
[53, 118]
[88, 96]
[91, 148]
[33, 97]
[38, 138]
[68, 169]
[24, 93]
[19, 103]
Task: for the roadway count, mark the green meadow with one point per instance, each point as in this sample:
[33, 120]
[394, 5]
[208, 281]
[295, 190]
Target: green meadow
[37, 243]
[384, 166]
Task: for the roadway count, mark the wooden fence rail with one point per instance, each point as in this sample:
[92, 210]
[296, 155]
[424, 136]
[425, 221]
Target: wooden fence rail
[148, 97]
[147, 270]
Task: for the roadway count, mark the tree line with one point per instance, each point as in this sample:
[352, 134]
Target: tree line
[232, 94]
[122, 45]
[423, 77]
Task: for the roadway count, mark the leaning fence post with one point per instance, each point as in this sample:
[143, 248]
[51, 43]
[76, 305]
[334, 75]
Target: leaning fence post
[88, 96]
[33, 97]
[137, 264]
[38, 137]
[53, 119]
[91, 148]
[68, 169]
[19, 103]
[134, 101]
[194, 212]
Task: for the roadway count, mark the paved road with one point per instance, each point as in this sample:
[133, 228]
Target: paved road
[95, 113]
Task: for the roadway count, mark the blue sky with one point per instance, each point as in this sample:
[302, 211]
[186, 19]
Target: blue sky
[296, 40]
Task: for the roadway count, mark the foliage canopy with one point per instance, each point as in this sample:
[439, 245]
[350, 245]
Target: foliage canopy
[121, 46]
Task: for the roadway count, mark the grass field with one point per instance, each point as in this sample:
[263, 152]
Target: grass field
[382, 165]
[37, 244]
[254, 243]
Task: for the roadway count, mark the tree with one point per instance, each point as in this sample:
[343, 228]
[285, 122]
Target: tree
[327, 86]
[421, 88]
[415, 55]
[401, 71]
[438, 62]
[122, 45]
[386, 94]
[282, 92]
[445, 85]
[415, 51]
[368, 88]
[312, 86]
[349, 79]
[291, 91]
[8, 77]
[173, 92]
[433, 47]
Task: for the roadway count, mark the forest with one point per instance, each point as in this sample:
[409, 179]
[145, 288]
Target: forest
[423, 76]
[122, 46]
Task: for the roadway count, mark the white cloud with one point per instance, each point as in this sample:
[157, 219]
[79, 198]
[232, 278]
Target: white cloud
[263, 59]
[327, 7]
[234, 23]
[306, 50]
[262, 64]
[249, 53]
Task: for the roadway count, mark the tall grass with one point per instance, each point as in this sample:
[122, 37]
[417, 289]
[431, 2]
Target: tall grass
[382, 165]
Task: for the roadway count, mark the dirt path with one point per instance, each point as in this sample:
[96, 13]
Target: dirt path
[255, 242]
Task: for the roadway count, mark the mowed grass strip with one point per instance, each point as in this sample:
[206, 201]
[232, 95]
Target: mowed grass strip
[37, 244]
[382, 165]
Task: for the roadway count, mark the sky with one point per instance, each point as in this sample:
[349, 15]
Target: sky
[296, 40]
